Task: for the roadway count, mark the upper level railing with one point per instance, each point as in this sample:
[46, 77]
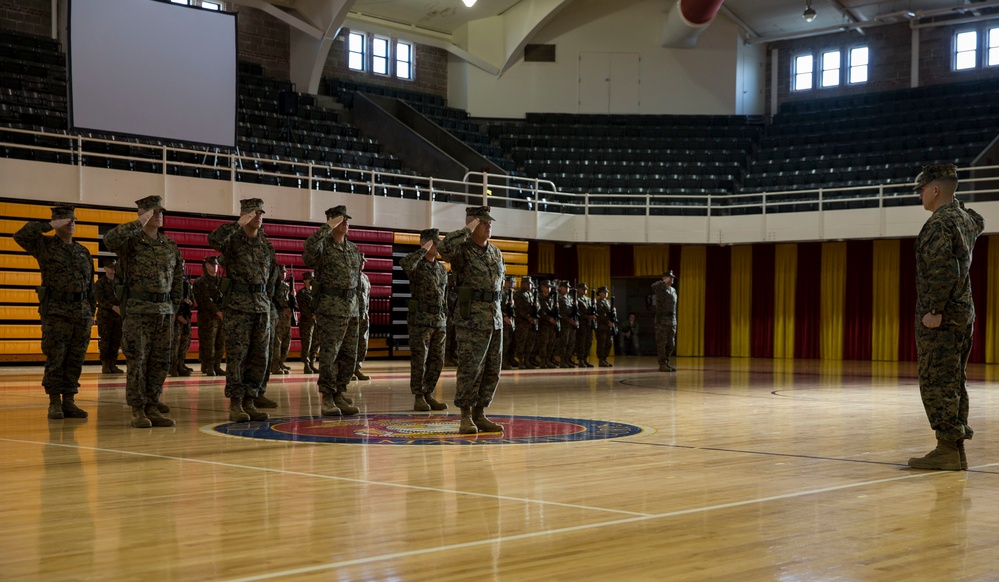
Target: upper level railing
[517, 192]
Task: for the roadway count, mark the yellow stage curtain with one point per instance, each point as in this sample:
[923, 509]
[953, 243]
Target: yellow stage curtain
[651, 260]
[785, 281]
[594, 265]
[833, 300]
[991, 322]
[741, 300]
[692, 287]
[546, 257]
[884, 316]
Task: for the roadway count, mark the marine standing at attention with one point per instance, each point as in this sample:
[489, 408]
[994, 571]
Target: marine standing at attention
[211, 337]
[152, 273]
[108, 317]
[66, 304]
[363, 321]
[478, 321]
[427, 320]
[666, 300]
[307, 325]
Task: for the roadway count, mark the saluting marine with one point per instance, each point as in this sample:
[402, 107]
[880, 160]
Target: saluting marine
[427, 319]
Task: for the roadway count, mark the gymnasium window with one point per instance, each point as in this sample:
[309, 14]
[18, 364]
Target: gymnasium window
[993, 58]
[404, 60]
[803, 70]
[211, 5]
[859, 60]
[356, 42]
[965, 50]
[380, 55]
[830, 68]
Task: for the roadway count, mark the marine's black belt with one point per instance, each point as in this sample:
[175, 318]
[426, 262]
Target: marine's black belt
[487, 296]
[66, 297]
[345, 293]
[243, 288]
[151, 297]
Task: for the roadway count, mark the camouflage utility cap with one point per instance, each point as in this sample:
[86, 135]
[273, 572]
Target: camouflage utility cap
[211, 260]
[563, 284]
[934, 172]
[64, 211]
[669, 273]
[479, 212]
[109, 262]
[430, 234]
[249, 205]
[150, 203]
[546, 283]
[307, 276]
[337, 211]
[581, 285]
[603, 289]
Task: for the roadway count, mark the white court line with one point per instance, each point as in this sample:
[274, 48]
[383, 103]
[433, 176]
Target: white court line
[330, 477]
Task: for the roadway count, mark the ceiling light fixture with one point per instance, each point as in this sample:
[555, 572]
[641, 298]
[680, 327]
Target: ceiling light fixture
[809, 13]
[469, 3]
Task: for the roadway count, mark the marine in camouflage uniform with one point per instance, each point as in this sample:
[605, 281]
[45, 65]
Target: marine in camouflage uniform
[211, 337]
[337, 265]
[152, 272]
[548, 326]
[478, 271]
[182, 333]
[509, 324]
[666, 299]
[282, 329]
[427, 320]
[67, 308]
[587, 323]
[307, 326]
[526, 324]
[566, 341]
[363, 321]
[945, 314]
[108, 318]
[251, 269]
[605, 328]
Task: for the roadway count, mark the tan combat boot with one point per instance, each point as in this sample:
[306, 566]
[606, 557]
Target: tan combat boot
[964, 458]
[70, 409]
[434, 403]
[420, 403]
[946, 457]
[262, 401]
[346, 408]
[156, 417]
[329, 406]
[251, 410]
[162, 408]
[236, 412]
[360, 375]
[482, 423]
[467, 426]
[55, 407]
[139, 418]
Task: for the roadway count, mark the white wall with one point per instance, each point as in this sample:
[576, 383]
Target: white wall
[719, 76]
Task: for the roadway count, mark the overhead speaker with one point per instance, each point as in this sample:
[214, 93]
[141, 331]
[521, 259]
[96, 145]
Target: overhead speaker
[288, 103]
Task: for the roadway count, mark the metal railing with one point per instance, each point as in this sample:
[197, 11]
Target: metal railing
[516, 192]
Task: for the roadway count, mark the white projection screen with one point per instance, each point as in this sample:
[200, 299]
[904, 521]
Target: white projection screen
[153, 69]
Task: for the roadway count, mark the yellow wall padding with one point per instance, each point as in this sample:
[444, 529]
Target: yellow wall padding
[20, 279]
[833, 300]
[18, 296]
[26, 262]
[19, 312]
[406, 238]
[651, 260]
[514, 258]
[517, 246]
[105, 216]
[30, 331]
[785, 283]
[26, 211]
[15, 347]
[691, 293]
[87, 231]
[8, 245]
[44, 212]
[594, 265]
[884, 315]
[741, 300]
[516, 271]
[546, 257]
[991, 322]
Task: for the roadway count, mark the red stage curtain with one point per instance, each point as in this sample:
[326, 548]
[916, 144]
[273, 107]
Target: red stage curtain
[622, 259]
[566, 263]
[980, 292]
[907, 300]
[859, 300]
[763, 301]
[807, 305]
[717, 302]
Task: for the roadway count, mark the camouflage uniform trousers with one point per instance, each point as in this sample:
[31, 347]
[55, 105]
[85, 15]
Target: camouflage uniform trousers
[546, 343]
[509, 344]
[146, 339]
[306, 335]
[526, 341]
[584, 341]
[362, 339]
[604, 341]
[282, 340]
[109, 332]
[426, 346]
[942, 356]
[665, 342]
[247, 348]
[273, 319]
[211, 341]
[478, 373]
[566, 343]
[64, 342]
[181, 342]
[337, 352]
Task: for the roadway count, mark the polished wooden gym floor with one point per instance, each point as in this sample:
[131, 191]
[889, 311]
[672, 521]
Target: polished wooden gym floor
[744, 470]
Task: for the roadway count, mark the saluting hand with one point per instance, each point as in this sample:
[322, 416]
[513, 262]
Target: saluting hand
[473, 225]
[335, 221]
[60, 222]
[245, 218]
[146, 216]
